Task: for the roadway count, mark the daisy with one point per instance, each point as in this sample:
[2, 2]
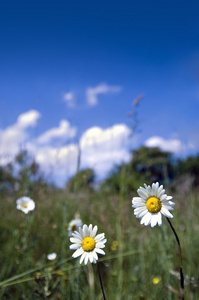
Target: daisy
[52, 256]
[152, 203]
[87, 244]
[74, 226]
[25, 204]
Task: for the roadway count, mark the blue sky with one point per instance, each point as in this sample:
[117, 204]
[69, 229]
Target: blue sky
[70, 71]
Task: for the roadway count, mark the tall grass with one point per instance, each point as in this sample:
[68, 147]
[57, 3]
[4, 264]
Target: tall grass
[142, 254]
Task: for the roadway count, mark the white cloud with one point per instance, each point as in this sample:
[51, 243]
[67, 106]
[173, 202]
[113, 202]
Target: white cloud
[63, 132]
[69, 98]
[59, 163]
[101, 149]
[15, 136]
[28, 119]
[103, 88]
[172, 145]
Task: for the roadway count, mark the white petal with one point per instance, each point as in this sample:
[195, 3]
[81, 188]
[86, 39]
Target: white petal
[75, 240]
[86, 258]
[77, 234]
[154, 220]
[98, 250]
[168, 207]
[80, 232]
[139, 203]
[99, 237]
[172, 203]
[168, 203]
[100, 245]
[149, 190]
[143, 193]
[163, 197]
[90, 228]
[146, 219]
[166, 213]
[136, 199]
[155, 187]
[82, 257]
[159, 218]
[93, 233]
[139, 210]
[95, 255]
[78, 252]
[142, 213]
[86, 231]
[74, 246]
[159, 191]
[91, 257]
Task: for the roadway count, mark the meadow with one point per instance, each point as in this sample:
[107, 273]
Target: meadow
[141, 263]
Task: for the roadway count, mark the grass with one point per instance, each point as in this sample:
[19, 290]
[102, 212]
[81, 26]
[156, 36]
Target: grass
[142, 253]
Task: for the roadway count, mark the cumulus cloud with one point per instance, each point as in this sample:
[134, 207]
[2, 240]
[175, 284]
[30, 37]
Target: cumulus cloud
[64, 132]
[58, 164]
[103, 88]
[14, 136]
[69, 98]
[171, 145]
[27, 119]
[101, 149]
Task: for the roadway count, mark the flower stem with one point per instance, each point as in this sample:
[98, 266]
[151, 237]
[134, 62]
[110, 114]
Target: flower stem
[100, 278]
[180, 256]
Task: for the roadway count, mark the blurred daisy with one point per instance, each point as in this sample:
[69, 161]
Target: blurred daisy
[52, 256]
[74, 226]
[25, 204]
[156, 280]
[87, 244]
[152, 203]
[114, 245]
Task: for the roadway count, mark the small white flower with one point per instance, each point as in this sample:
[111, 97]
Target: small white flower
[87, 244]
[74, 226]
[52, 256]
[152, 203]
[25, 204]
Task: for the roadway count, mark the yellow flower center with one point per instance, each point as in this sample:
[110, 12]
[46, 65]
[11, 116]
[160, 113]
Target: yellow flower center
[24, 205]
[153, 205]
[74, 227]
[88, 244]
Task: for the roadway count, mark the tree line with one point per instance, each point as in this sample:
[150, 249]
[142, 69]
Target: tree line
[146, 165]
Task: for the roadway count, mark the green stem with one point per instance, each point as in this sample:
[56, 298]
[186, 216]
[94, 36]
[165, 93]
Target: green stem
[180, 256]
[100, 279]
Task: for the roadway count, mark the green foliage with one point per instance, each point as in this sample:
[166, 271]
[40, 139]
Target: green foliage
[82, 181]
[7, 180]
[23, 176]
[147, 165]
[28, 172]
[189, 166]
[139, 254]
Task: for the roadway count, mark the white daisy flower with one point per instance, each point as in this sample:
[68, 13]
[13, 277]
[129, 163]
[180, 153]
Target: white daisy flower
[52, 256]
[25, 204]
[152, 203]
[87, 244]
[74, 226]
